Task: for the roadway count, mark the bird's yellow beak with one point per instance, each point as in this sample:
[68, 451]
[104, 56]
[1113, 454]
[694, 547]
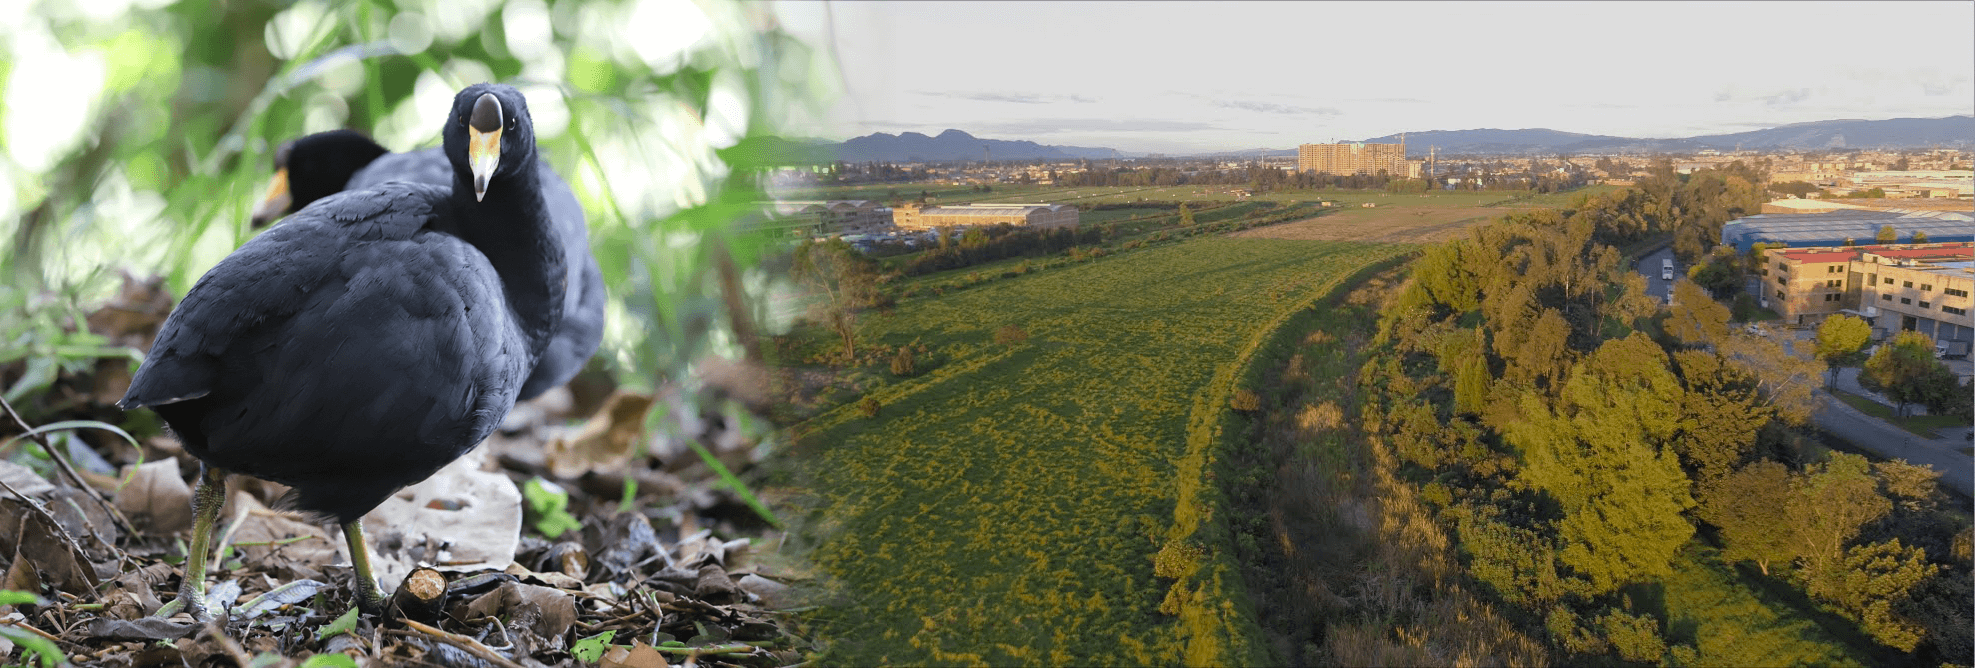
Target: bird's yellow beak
[483, 142]
[275, 203]
[483, 152]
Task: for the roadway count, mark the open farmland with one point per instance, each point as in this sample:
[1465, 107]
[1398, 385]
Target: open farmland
[1395, 223]
[1004, 507]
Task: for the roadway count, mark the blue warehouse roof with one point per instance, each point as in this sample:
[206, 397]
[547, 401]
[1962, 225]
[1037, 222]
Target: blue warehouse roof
[1835, 228]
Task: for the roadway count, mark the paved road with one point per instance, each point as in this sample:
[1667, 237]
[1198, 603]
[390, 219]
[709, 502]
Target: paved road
[1876, 436]
[1942, 453]
[1649, 266]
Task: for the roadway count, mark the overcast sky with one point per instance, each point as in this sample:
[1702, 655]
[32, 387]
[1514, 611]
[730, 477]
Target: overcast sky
[1199, 76]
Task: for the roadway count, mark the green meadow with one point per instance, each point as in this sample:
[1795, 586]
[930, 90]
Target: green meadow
[1004, 505]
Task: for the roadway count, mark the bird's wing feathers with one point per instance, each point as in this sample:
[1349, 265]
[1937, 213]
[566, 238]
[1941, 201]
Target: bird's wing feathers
[426, 166]
[267, 281]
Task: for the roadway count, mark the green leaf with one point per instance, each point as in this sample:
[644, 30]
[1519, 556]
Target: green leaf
[46, 654]
[549, 505]
[734, 483]
[343, 624]
[330, 661]
[11, 597]
[591, 649]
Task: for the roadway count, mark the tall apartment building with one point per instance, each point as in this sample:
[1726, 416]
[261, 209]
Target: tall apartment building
[1922, 287]
[1353, 158]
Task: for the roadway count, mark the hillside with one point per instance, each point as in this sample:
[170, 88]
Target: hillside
[957, 145]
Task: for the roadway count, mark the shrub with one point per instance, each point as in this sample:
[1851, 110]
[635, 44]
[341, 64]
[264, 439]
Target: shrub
[902, 363]
[1245, 400]
[1636, 637]
[1010, 335]
[868, 407]
[1324, 416]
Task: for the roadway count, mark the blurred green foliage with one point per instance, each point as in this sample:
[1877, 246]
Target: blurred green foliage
[139, 134]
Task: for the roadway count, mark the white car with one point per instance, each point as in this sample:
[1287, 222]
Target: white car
[1666, 274]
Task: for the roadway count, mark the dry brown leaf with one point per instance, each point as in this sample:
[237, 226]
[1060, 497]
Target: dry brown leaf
[546, 611]
[42, 549]
[552, 579]
[772, 594]
[606, 442]
[640, 655]
[157, 499]
[23, 480]
[83, 515]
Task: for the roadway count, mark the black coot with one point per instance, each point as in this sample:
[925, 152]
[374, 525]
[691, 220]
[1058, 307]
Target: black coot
[318, 165]
[371, 339]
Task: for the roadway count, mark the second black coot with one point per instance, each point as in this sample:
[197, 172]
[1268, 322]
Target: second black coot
[315, 166]
[368, 341]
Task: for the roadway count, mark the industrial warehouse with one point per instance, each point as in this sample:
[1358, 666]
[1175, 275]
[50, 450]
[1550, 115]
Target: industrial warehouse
[1923, 287]
[1846, 227]
[922, 217]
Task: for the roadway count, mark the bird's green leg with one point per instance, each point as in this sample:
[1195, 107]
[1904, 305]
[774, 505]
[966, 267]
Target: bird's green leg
[369, 599]
[206, 504]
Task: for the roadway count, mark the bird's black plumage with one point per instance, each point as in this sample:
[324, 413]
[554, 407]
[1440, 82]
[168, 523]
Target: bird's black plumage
[321, 164]
[372, 338]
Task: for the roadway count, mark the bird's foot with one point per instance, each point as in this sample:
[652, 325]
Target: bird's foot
[192, 600]
[370, 600]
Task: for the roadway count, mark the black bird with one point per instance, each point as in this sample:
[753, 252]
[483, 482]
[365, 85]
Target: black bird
[315, 166]
[373, 338]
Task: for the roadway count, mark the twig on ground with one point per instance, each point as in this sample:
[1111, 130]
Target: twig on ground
[23, 625]
[62, 462]
[464, 642]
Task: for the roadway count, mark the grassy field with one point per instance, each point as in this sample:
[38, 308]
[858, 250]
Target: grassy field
[1393, 218]
[1734, 620]
[1390, 223]
[1004, 506]
[1006, 192]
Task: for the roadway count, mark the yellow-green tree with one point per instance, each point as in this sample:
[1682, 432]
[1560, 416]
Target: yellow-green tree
[1751, 508]
[1696, 318]
[1722, 409]
[843, 282]
[1873, 583]
[1603, 456]
[1832, 502]
[1901, 368]
[1840, 340]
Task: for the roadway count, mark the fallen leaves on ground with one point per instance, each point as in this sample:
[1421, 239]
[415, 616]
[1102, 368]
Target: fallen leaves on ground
[668, 568]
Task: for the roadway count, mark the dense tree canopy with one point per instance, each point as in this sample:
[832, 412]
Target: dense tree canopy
[1604, 458]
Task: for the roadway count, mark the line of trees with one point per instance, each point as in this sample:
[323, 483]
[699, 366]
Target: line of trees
[1578, 439]
[998, 242]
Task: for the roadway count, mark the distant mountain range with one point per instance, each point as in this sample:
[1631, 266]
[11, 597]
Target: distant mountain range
[956, 145]
[1953, 131]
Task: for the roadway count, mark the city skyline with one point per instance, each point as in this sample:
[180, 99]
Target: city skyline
[1181, 77]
